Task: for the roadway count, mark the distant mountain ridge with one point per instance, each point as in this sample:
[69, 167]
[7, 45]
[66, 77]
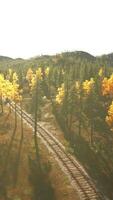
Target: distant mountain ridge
[82, 54]
[5, 58]
[65, 58]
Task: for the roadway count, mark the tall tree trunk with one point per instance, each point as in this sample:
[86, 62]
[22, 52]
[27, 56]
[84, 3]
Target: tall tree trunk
[2, 107]
[15, 119]
[7, 117]
[10, 147]
[18, 157]
[80, 116]
[14, 132]
[21, 120]
[35, 123]
[91, 134]
[79, 127]
[70, 122]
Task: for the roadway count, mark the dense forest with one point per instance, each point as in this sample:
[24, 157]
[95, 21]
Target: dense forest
[79, 88]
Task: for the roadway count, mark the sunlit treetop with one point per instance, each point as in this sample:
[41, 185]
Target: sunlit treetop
[101, 72]
[29, 74]
[109, 117]
[47, 70]
[61, 94]
[39, 73]
[107, 86]
[10, 90]
[2, 84]
[15, 77]
[33, 82]
[34, 78]
[88, 86]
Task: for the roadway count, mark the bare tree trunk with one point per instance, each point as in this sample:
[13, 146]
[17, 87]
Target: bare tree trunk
[21, 120]
[14, 131]
[70, 122]
[79, 127]
[9, 149]
[35, 123]
[2, 108]
[7, 117]
[15, 119]
[80, 117]
[18, 157]
[91, 134]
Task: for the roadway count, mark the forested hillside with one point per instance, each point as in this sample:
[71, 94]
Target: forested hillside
[63, 59]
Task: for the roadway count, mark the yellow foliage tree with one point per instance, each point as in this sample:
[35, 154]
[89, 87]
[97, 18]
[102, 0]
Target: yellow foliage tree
[107, 86]
[109, 117]
[60, 95]
[29, 74]
[88, 85]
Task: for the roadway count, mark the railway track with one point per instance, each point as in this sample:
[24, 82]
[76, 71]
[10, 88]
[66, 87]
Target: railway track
[80, 180]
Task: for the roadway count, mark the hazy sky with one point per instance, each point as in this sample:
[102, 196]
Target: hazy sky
[34, 27]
